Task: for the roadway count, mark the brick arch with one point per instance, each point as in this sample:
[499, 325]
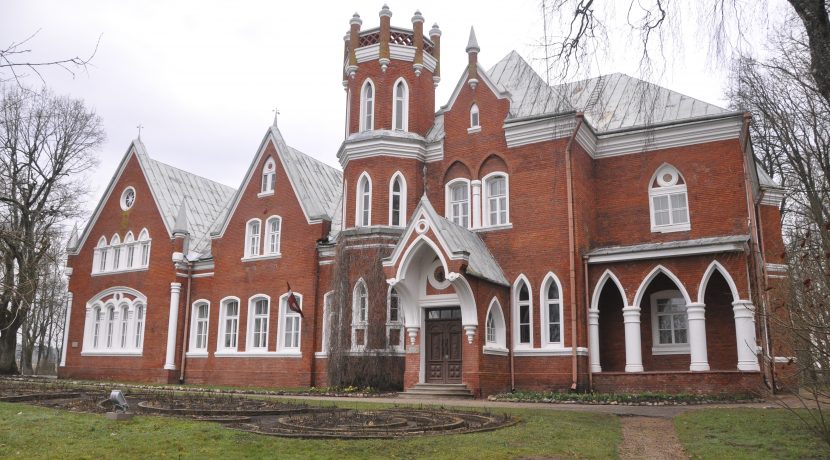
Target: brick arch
[457, 170]
[493, 163]
[707, 276]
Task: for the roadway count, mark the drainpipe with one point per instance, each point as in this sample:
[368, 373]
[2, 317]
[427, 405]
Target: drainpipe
[572, 246]
[317, 308]
[512, 369]
[185, 342]
[587, 312]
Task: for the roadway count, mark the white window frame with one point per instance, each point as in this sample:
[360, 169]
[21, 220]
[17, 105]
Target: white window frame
[129, 242]
[475, 119]
[449, 211]
[270, 250]
[268, 179]
[358, 322]
[544, 302]
[97, 317]
[325, 339]
[394, 324]
[100, 252]
[140, 324]
[403, 117]
[401, 201]
[517, 304]
[223, 319]
[253, 239]
[195, 321]
[145, 243]
[485, 182]
[497, 344]
[123, 325]
[367, 106]
[115, 245]
[111, 324]
[668, 189]
[359, 201]
[658, 348]
[286, 315]
[253, 318]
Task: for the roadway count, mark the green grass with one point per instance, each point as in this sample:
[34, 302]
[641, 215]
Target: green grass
[622, 398]
[743, 433]
[34, 432]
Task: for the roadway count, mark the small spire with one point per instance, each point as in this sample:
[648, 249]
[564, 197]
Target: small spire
[276, 114]
[385, 11]
[73, 238]
[356, 19]
[435, 31]
[472, 44]
[417, 17]
[140, 126]
[181, 225]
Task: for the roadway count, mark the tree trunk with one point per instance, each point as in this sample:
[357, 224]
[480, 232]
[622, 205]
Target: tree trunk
[8, 346]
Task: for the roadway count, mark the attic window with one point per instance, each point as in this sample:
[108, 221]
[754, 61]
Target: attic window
[269, 177]
[475, 125]
[127, 198]
[668, 200]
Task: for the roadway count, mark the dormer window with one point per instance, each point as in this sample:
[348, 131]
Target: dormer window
[668, 201]
[475, 125]
[401, 108]
[367, 106]
[269, 177]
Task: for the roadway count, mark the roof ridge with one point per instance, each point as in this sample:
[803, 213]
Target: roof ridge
[188, 172]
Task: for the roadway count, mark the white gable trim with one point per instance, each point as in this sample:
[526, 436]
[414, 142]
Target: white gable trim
[482, 75]
[420, 213]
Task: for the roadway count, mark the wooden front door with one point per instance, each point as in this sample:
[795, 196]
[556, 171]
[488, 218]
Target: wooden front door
[443, 353]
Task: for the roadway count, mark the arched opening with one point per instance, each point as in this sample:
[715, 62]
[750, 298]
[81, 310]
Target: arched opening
[720, 323]
[664, 326]
[610, 304]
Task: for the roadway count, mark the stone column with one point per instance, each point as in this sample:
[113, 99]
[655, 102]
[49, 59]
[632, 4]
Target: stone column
[66, 328]
[475, 203]
[172, 326]
[593, 339]
[745, 335]
[696, 314]
[633, 349]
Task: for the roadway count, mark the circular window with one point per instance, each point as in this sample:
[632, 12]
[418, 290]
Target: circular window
[667, 176]
[127, 198]
[437, 277]
[438, 274]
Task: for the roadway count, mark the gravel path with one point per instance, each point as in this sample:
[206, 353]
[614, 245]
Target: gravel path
[650, 438]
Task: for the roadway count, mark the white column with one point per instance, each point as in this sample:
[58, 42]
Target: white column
[633, 350]
[593, 339]
[66, 328]
[88, 326]
[696, 314]
[172, 325]
[745, 335]
[476, 203]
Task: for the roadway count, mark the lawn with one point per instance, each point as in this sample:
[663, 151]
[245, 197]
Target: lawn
[34, 432]
[743, 433]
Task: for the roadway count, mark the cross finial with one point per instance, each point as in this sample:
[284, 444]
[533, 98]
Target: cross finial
[139, 130]
[276, 114]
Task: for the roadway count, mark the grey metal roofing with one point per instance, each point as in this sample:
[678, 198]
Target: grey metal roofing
[667, 245]
[481, 262]
[764, 179]
[610, 102]
[436, 131]
[204, 199]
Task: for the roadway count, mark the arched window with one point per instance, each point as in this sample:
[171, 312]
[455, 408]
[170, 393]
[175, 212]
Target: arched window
[360, 314]
[394, 319]
[496, 203]
[363, 216]
[139, 325]
[474, 117]
[327, 310]
[199, 326]
[288, 336]
[367, 106]
[115, 242]
[400, 114]
[96, 328]
[258, 311]
[523, 314]
[228, 324]
[668, 201]
[124, 315]
[397, 201]
[113, 315]
[99, 262]
[252, 236]
[269, 177]
[110, 325]
[144, 241]
[458, 202]
[272, 235]
[551, 314]
[129, 242]
[495, 334]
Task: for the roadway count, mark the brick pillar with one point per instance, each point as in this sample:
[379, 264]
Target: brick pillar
[412, 371]
[696, 313]
[66, 328]
[633, 351]
[476, 203]
[593, 337]
[172, 326]
[745, 335]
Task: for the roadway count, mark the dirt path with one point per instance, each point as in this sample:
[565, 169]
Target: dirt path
[650, 438]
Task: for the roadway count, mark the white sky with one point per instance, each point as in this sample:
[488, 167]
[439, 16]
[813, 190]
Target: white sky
[203, 77]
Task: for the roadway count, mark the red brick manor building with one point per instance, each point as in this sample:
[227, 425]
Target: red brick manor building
[607, 234]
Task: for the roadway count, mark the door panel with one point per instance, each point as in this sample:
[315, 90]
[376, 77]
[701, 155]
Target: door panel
[443, 352]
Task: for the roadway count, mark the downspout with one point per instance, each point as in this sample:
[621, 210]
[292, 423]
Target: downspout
[572, 247]
[316, 309]
[759, 267]
[587, 313]
[185, 341]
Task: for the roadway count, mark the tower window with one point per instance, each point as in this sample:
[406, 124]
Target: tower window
[397, 201]
[400, 115]
[363, 214]
[367, 107]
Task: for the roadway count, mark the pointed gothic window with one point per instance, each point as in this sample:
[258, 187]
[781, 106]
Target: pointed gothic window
[397, 201]
[360, 315]
[400, 115]
[551, 312]
[367, 106]
[269, 177]
[139, 325]
[495, 336]
[144, 241]
[474, 117]
[363, 216]
[124, 316]
[524, 314]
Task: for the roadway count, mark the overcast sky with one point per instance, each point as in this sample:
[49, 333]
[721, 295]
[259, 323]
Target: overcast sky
[203, 77]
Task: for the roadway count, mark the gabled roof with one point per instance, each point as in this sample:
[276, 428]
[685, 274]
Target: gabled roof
[316, 184]
[459, 242]
[610, 102]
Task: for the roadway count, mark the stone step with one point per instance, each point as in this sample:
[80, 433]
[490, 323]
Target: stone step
[437, 391]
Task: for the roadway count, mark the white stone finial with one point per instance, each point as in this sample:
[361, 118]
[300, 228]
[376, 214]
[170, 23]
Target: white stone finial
[276, 114]
[417, 17]
[385, 11]
[356, 19]
[472, 43]
[435, 31]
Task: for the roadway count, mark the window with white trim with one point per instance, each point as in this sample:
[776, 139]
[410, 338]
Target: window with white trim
[96, 330]
[394, 319]
[551, 299]
[669, 322]
[327, 310]
[458, 202]
[290, 324]
[491, 328]
[360, 315]
[474, 117]
[99, 259]
[258, 312]
[129, 242]
[494, 327]
[113, 319]
[110, 325]
[363, 214]
[118, 256]
[400, 114]
[228, 325]
[144, 243]
[269, 177]
[115, 242]
[252, 238]
[524, 315]
[199, 326]
[367, 106]
[397, 201]
[272, 235]
[668, 201]
[495, 199]
[124, 316]
[139, 325]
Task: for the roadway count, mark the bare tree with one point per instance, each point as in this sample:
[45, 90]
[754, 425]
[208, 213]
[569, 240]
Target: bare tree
[46, 144]
[14, 62]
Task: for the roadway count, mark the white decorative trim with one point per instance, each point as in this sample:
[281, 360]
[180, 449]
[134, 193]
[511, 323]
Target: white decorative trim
[564, 351]
[473, 130]
[262, 194]
[772, 197]
[386, 146]
[640, 254]
[497, 351]
[482, 74]
[197, 354]
[112, 353]
[359, 206]
[257, 354]
[778, 268]
[367, 53]
[494, 228]
[785, 359]
[671, 349]
[434, 151]
[261, 257]
[402, 202]
[518, 133]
